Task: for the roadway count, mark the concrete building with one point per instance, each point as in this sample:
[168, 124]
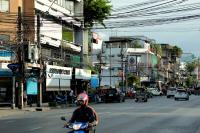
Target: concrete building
[53, 40]
[170, 63]
[8, 36]
[122, 57]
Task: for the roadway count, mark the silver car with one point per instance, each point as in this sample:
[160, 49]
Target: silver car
[171, 92]
[181, 94]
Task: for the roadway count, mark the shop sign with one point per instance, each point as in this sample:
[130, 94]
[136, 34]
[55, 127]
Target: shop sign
[59, 72]
[32, 86]
[82, 74]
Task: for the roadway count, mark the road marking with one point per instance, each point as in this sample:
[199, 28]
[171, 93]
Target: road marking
[36, 128]
[11, 121]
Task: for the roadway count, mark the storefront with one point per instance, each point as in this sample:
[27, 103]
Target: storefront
[5, 84]
[58, 78]
[82, 77]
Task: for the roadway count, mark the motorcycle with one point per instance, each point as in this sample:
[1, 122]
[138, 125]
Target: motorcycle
[77, 127]
[61, 99]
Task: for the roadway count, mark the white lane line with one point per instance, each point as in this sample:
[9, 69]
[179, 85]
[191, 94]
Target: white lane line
[11, 121]
[36, 128]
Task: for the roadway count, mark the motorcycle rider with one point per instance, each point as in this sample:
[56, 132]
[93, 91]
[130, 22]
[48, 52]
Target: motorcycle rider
[84, 113]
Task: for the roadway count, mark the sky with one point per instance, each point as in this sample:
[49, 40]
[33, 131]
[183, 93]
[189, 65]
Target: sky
[183, 34]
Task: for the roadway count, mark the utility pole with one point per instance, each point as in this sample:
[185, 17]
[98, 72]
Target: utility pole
[110, 64]
[39, 96]
[20, 56]
[126, 69]
[122, 65]
[19, 33]
[100, 63]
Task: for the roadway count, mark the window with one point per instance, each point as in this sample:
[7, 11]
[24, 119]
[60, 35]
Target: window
[68, 35]
[4, 5]
[67, 4]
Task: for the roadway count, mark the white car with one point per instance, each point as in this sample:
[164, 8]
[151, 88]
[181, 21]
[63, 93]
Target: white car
[181, 94]
[155, 91]
[171, 92]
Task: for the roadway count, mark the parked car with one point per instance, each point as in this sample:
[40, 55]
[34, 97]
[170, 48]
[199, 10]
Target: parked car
[155, 91]
[171, 92]
[181, 94]
[114, 94]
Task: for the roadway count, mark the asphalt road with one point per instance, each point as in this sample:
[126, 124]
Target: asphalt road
[158, 115]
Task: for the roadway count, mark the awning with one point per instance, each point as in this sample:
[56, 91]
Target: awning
[68, 45]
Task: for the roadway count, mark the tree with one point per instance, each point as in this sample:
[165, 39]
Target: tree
[96, 11]
[133, 79]
[190, 66]
[156, 48]
[177, 51]
[136, 44]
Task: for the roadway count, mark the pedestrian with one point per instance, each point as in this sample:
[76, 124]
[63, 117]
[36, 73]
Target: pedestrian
[25, 98]
[71, 95]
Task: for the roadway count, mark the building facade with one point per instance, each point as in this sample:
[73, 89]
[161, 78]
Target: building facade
[52, 41]
[123, 57]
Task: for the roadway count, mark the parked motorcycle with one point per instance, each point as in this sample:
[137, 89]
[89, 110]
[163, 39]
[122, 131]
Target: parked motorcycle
[61, 99]
[77, 127]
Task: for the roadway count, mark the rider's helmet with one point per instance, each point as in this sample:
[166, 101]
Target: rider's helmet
[82, 99]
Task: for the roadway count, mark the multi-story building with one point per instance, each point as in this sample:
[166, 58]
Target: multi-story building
[52, 38]
[170, 63]
[122, 57]
[8, 36]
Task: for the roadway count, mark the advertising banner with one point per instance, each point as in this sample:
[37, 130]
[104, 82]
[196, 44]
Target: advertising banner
[32, 86]
[82, 74]
[58, 78]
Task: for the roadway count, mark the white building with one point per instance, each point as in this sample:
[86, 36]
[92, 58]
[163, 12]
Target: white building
[121, 58]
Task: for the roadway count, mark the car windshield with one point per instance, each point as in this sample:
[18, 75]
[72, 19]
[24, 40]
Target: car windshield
[112, 91]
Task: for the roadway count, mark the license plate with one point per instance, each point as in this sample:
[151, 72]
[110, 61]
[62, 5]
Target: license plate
[110, 94]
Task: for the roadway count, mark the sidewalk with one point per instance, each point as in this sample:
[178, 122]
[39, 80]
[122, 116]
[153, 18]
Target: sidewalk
[6, 111]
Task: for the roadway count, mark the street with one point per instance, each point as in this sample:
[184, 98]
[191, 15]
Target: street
[158, 115]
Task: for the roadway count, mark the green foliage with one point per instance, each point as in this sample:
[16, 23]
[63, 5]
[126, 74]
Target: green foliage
[177, 51]
[94, 69]
[190, 81]
[156, 48]
[190, 66]
[96, 11]
[136, 44]
[133, 79]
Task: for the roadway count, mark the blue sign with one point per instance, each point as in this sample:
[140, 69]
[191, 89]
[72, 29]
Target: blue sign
[6, 53]
[94, 81]
[14, 66]
[32, 86]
